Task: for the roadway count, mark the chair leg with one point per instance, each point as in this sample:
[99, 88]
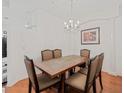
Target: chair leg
[94, 86]
[100, 80]
[71, 72]
[37, 91]
[59, 88]
[65, 89]
[30, 86]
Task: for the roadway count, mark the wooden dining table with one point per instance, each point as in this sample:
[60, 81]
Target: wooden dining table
[59, 66]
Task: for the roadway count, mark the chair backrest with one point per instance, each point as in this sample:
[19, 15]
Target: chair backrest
[31, 71]
[47, 54]
[85, 53]
[57, 53]
[100, 63]
[92, 67]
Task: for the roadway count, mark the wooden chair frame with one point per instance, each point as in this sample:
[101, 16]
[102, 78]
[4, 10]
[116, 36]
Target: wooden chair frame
[55, 51]
[45, 51]
[85, 50]
[100, 74]
[36, 85]
[89, 85]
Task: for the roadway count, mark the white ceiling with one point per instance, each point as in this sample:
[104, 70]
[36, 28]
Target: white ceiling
[81, 8]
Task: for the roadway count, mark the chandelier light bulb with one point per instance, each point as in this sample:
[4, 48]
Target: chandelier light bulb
[70, 21]
[72, 25]
[67, 26]
[65, 23]
[78, 22]
[76, 25]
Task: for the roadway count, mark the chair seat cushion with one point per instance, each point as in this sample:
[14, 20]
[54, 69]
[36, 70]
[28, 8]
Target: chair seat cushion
[45, 81]
[83, 71]
[77, 80]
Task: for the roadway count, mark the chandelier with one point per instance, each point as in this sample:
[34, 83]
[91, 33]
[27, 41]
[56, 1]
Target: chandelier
[71, 24]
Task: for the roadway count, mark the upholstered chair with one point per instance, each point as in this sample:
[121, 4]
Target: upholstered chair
[47, 54]
[38, 82]
[99, 68]
[57, 53]
[82, 82]
[85, 53]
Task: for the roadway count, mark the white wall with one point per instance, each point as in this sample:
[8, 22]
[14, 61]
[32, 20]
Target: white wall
[118, 45]
[49, 33]
[107, 44]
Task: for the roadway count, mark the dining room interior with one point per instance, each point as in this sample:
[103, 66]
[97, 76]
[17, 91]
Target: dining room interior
[62, 46]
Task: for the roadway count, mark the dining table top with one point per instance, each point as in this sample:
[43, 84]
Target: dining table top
[56, 66]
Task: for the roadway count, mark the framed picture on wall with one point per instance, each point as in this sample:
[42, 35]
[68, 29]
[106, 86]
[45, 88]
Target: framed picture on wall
[90, 36]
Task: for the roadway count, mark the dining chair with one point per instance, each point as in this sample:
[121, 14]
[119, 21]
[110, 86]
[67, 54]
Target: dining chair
[39, 83]
[99, 68]
[47, 54]
[82, 82]
[85, 53]
[57, 53]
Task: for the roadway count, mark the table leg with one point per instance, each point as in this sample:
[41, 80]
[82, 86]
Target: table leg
[62, 82]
